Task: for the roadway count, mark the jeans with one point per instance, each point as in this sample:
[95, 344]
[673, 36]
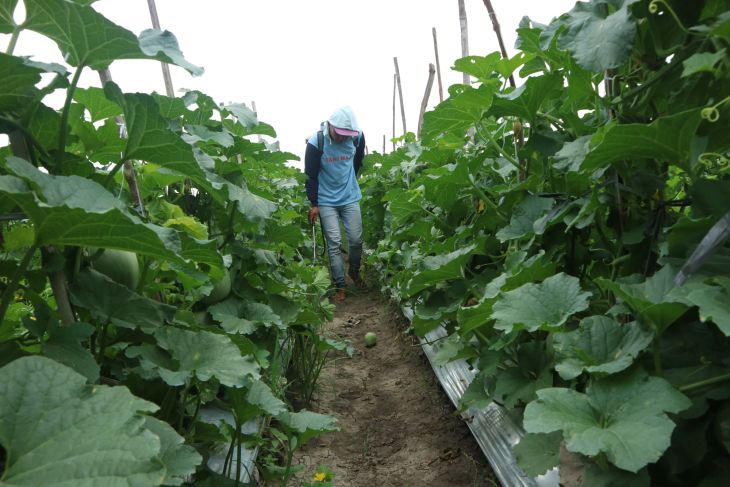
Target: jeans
[330, 217]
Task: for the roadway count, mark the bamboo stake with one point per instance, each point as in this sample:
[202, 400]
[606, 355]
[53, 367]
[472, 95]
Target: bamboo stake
[395, 78]
[426, 95]
[165, 68]
[464, 36]
[517, 129]
[438, 64]
[498, 31]
[400, 95]
[383, 143]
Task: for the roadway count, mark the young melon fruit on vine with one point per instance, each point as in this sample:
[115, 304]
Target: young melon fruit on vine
[120, 266]
[221, 290]
[370, 339]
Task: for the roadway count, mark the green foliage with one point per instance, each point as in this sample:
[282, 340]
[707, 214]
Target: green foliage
[72, 419]
[622, 416]
[584, 192]
[193, 212]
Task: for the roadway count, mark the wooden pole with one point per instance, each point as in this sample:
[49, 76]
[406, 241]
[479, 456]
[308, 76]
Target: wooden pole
[438, 64]
[165, 68]
[519, 135]
[400, 95]
[383, 143]
[426, 95]
[464, 36]
[498, 31]
[395, 80]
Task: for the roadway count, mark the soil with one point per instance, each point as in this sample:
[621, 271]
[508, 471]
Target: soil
[398, 428]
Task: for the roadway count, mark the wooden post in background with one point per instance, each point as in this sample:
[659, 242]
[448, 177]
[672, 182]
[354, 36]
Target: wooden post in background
[517, 131]
[438, 64]
[426, 95]
[395, 81]
[400, 95]
[498, 31]
[165, 68]
[258, 137]
[383, 143]
[464, 36]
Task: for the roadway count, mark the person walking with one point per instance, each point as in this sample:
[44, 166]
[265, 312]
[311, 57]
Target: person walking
[332, 162]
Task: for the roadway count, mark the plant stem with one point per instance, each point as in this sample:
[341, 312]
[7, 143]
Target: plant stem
[183, 400]
[112, 173]
[9, 292]
[64, 116]
[657, 358]
[703, 383]
[13, 40]
[102, 343]
[499, 148]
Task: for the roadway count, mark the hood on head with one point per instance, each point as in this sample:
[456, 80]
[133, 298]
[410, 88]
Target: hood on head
[344, 119]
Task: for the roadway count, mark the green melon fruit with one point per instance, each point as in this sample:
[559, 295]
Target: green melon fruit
[370, 339]
[221, 289]
[118, 265]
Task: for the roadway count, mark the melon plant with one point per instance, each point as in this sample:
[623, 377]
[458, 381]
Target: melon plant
[570, 232]
[109, 342]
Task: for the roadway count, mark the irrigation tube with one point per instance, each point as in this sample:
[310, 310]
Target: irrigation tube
[493, 429]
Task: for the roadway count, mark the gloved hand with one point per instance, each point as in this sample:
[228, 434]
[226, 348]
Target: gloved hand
[313, 214]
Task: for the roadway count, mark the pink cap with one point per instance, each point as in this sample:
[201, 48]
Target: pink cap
[345, 132]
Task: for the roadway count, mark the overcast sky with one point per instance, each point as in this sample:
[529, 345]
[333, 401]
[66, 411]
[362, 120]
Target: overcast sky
[299, 60]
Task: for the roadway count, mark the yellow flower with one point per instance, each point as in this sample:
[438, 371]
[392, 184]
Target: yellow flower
[319, 477]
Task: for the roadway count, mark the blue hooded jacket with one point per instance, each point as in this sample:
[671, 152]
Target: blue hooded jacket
[332, 173]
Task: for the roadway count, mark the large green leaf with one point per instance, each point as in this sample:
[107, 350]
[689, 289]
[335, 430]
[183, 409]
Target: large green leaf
[546, 305]
[100, 107]
[481, 67]
[600, 346]
[70, 210]
[524, 216]
[440, 268]
[57, 430]
[18, 88]
[207, 355]
[306, 424]
[248, 120]
[260, 395]
[536, 453]
[178, 458]
[149, 137]
[162, 45]
[403, 205]
[525, 101]
[534, 269]
[712, 301]
[623, 416]
[65, 344]
[108, 300]
[599, 37]
[87, 38]
[666, 139]
[7, 24]
[532, 370]
[236, 316]
[652, 299]
[455, 115]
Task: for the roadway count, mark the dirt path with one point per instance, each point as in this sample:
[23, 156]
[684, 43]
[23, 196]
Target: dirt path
[398, 427]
